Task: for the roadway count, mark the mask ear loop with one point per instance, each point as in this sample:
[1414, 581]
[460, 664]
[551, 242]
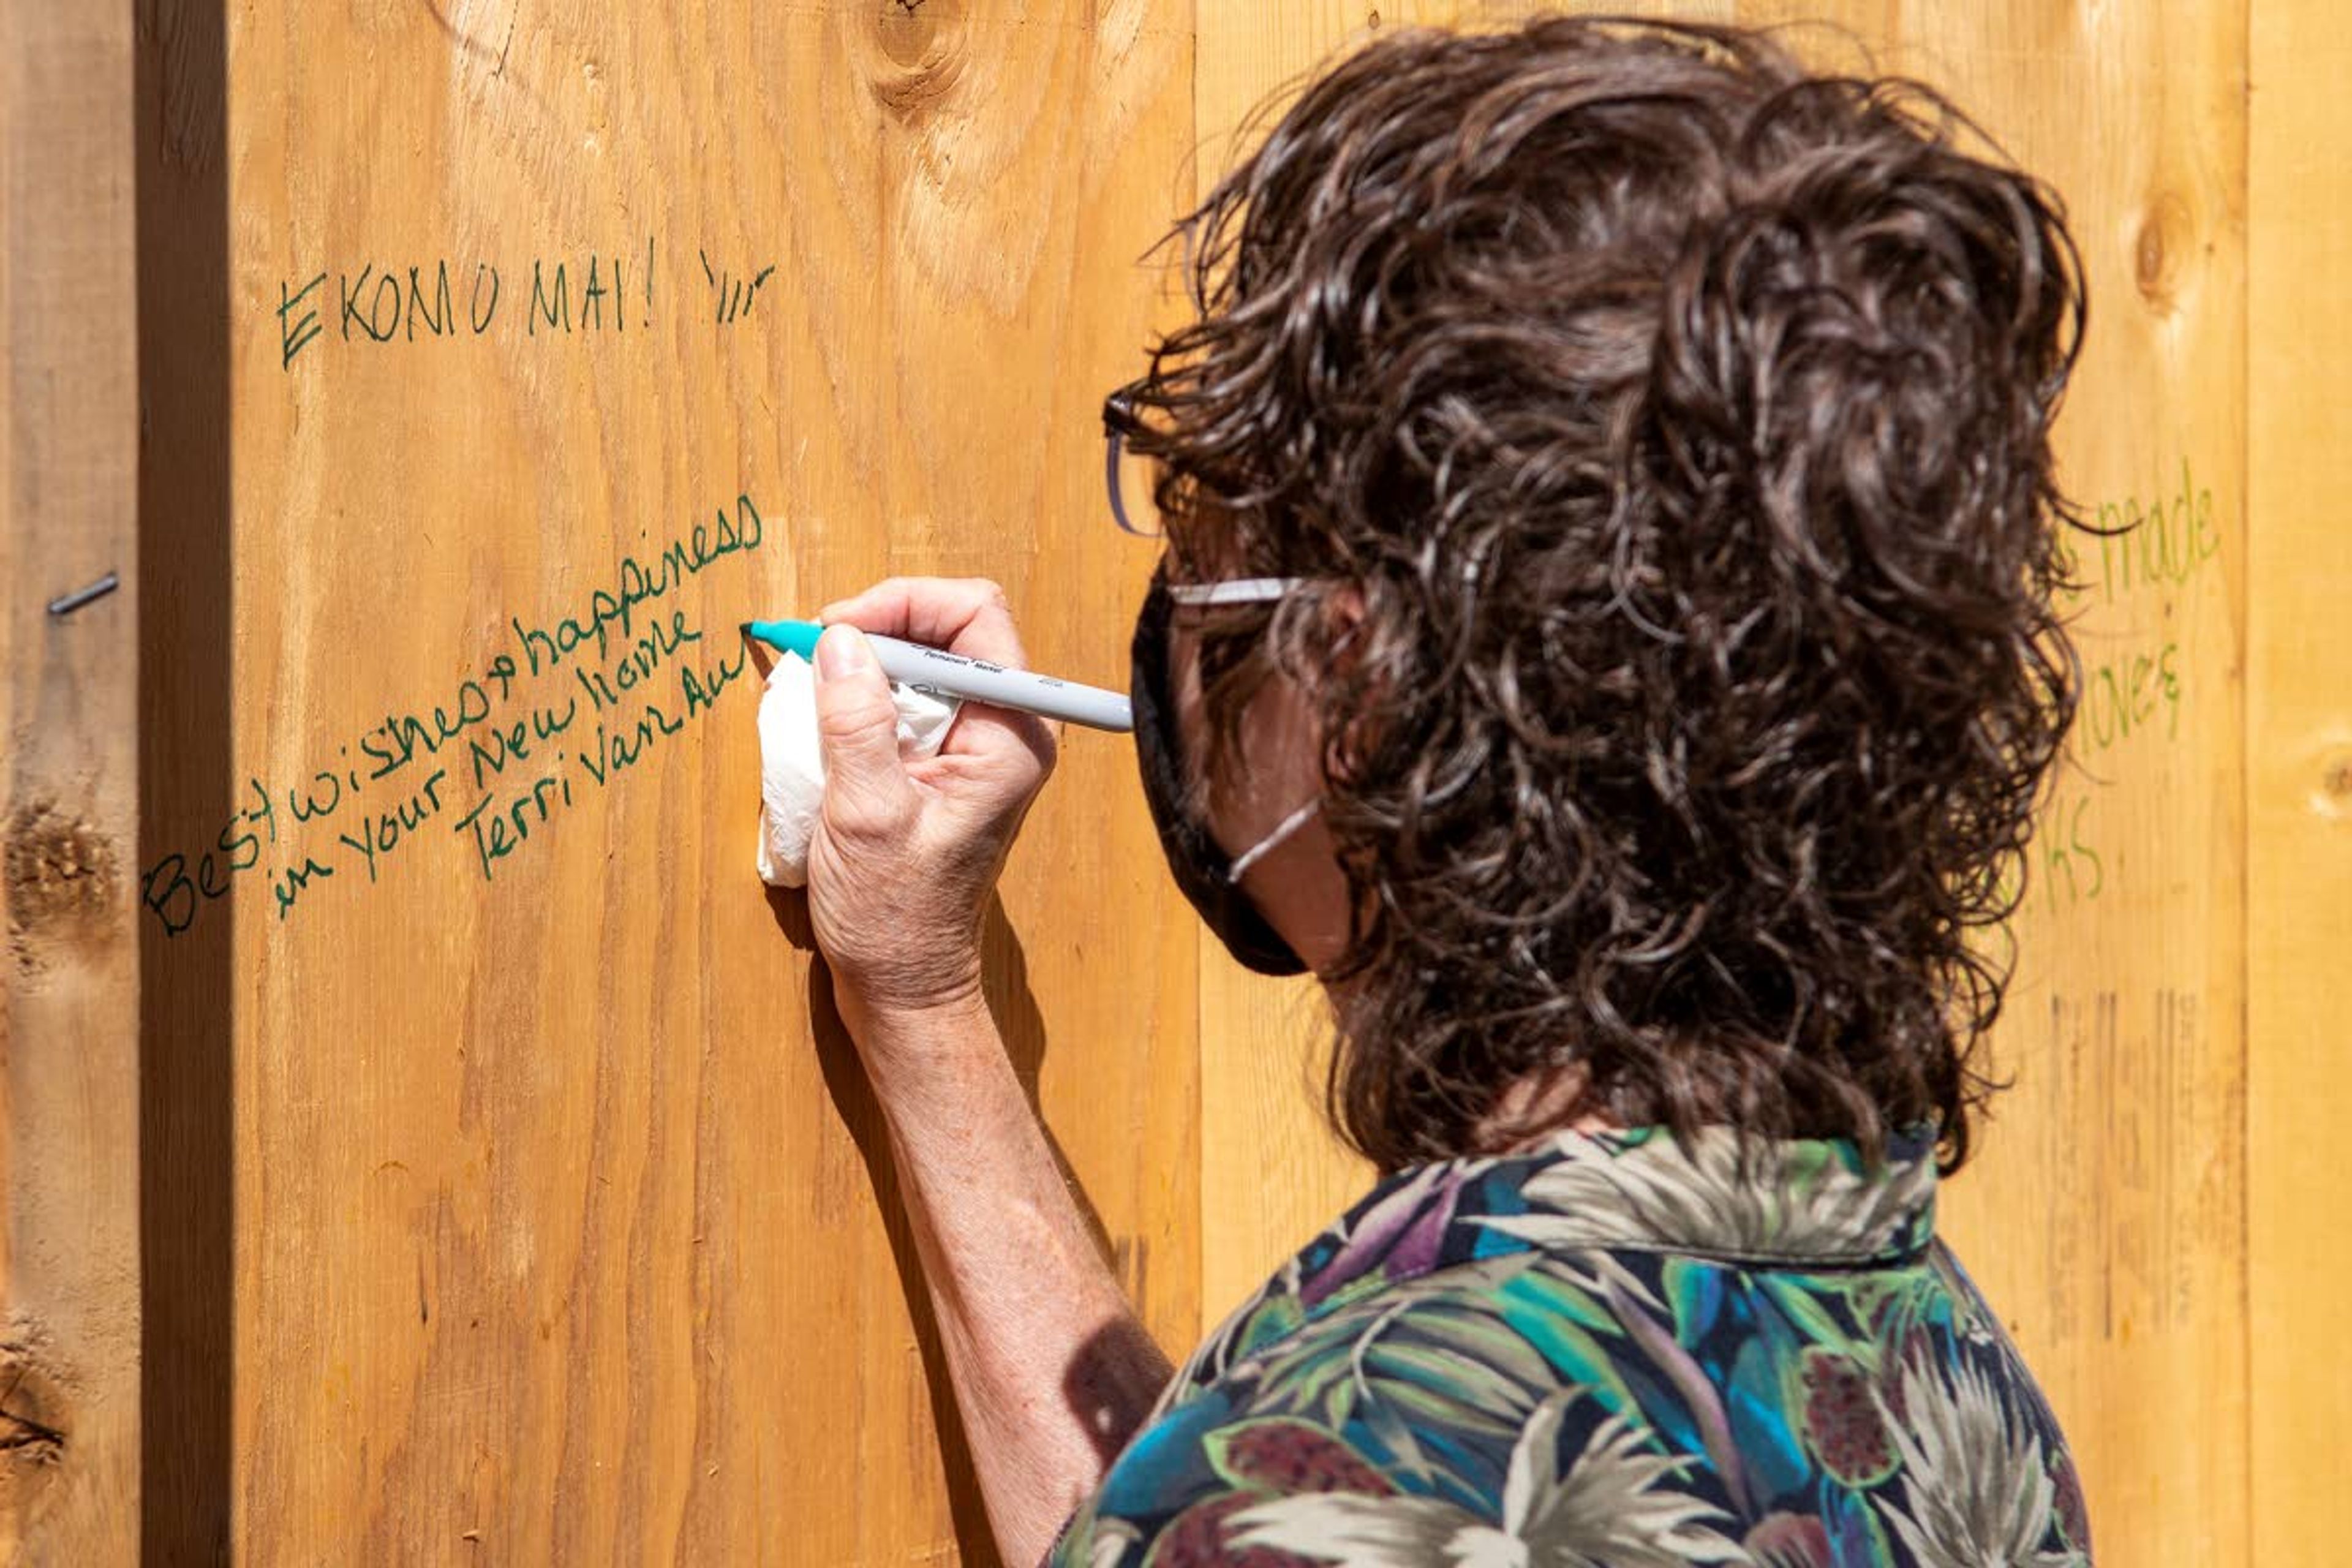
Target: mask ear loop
[1282, 830]
[1232, 591]
[1244, 591]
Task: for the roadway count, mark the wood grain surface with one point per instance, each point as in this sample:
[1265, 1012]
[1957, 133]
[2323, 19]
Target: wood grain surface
[69, 1325]
[561, 338]
[2298, 778]
[505, 1188]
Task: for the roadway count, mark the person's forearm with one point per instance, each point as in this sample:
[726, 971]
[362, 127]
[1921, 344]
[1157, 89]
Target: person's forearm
[1052, 1369]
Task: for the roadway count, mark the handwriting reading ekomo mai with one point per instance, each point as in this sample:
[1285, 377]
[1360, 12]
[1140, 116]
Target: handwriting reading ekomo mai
[584, 294]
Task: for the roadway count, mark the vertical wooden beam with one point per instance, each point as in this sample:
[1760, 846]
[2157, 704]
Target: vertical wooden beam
[69, 970]
[2298, 771]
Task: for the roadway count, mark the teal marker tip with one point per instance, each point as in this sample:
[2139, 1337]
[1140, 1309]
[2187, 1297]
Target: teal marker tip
[792, 636]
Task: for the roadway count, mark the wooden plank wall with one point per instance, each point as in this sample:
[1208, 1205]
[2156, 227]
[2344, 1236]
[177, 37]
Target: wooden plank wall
[69, 1340]
[2106, 1213]
[512, 1193]
[563, 1227]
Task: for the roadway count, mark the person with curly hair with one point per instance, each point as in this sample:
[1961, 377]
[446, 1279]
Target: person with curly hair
[1605, 633]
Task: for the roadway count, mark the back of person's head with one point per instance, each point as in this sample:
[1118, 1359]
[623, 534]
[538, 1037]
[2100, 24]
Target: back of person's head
[1682, 420]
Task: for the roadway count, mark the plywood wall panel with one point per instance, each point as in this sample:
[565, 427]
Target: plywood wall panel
[563, 1228]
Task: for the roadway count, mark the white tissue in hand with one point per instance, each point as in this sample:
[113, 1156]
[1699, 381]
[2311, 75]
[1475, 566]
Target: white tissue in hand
[792, 766]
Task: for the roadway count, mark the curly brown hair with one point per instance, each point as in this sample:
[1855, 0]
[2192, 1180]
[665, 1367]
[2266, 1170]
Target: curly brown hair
[1681, 419]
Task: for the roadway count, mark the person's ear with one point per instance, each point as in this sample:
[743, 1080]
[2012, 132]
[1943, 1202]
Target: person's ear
[1343, 612]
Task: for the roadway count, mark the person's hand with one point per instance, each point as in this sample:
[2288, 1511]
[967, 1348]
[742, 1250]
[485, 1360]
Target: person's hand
[904, 853]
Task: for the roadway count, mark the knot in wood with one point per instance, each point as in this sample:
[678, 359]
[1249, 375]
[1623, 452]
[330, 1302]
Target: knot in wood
[60, 874]
[2332, 798]
[32, 1429]
[2166, 230]
[921, 53]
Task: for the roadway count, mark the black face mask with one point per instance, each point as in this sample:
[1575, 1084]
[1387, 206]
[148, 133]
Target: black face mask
[1201, 867]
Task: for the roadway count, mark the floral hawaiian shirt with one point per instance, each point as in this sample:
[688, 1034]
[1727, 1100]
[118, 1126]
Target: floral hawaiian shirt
[1617, 1350]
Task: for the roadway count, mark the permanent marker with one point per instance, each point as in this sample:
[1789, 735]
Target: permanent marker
[943, 674]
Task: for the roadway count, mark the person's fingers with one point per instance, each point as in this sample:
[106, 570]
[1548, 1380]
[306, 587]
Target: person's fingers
[963, 615]
[867, 791]
[999, 750]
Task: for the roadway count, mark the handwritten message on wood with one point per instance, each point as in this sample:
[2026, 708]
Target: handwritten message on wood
[583, 696]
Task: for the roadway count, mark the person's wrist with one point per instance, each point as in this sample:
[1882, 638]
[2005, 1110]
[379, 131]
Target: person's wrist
[933, 1008]
[932, 1065]
[942, 1015]
[918, 978]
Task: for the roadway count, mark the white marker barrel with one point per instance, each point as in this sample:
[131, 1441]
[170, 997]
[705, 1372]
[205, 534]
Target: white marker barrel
[945, 674]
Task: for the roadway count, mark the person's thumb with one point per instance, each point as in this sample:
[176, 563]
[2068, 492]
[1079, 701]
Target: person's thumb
[865, 787]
